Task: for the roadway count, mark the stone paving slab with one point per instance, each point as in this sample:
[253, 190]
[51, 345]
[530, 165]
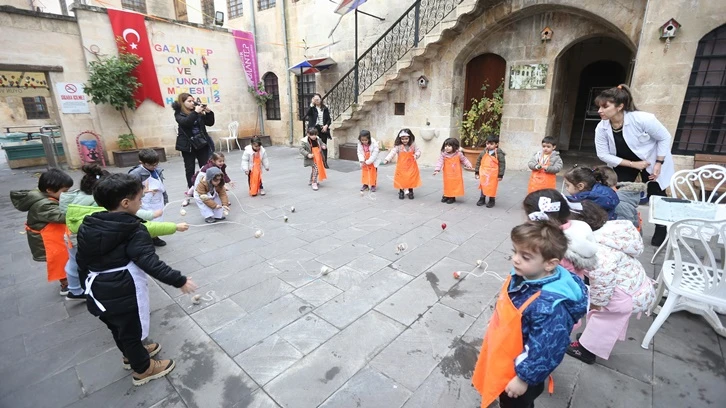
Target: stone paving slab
[358, 391]
[308, 332]
[267, 359]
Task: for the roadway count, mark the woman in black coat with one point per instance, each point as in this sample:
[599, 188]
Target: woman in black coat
[319, 117]
[193, 120]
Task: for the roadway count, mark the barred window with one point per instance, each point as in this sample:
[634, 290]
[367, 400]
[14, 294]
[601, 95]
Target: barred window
[208, 12]
[272, 107]
[36, 108]
[306, 91]
[265, 4]
[135, 5]
[235, 8]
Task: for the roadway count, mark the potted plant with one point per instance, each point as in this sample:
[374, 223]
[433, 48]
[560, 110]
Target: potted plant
[484, 118]
[111, 81]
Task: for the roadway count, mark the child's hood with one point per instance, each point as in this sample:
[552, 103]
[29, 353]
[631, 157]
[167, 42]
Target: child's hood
[563, 287]
[213, 172]
[24, 199]
[76, 213]
[631, 192]
[107, 230]
[622, 236]
[581, 246]
[75, 197]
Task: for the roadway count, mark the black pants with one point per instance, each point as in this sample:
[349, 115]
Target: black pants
[324, 136]
[525, 400]
[248, 180]
[201, 156]
[630, 174]
[126, 331]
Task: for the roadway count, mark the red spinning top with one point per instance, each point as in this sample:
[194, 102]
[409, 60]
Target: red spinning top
[443, 226]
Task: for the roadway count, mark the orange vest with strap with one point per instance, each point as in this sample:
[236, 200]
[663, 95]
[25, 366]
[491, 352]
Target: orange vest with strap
[56, 240]
[489, 175]
[255, 174]
[318, 158]
[453, 180]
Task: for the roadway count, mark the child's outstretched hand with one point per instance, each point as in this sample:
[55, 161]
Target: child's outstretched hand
[189, 287]
[247, 172]
[158, 213]
[476, 176]
[310, 156]
[468, 167]
[516, 387]
[182, 226]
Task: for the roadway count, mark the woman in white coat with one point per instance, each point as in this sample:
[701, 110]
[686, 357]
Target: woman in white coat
[634, 143]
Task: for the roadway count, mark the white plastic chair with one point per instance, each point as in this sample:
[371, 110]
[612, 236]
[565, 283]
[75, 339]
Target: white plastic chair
[233, 126]
[693, 185]
[694, 276]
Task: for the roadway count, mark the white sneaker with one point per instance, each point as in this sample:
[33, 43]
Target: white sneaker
[262, 192]
[315, 186]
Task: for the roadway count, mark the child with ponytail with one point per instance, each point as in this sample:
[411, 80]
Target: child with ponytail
[584, 183]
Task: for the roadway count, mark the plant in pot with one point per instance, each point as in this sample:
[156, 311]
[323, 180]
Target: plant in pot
[484, 118]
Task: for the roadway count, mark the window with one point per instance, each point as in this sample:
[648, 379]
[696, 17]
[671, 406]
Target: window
[235, 8]
[36, 108]
[273, 105]
[180, 9]
[208, 12]
[399, 108]
[265, 4]
[135, 5]
[306, 91]
[702, 123]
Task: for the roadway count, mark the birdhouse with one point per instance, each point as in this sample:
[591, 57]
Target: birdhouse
[546, 34]
[669, 29]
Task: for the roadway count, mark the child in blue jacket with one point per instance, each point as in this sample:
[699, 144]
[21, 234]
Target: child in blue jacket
[584, 183]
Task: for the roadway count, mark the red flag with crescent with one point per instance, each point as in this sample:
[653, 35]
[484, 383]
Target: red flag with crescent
[130, 29]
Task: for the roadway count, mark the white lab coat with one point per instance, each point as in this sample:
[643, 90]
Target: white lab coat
[645, 136]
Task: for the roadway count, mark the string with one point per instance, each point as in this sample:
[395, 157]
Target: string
[479, 263]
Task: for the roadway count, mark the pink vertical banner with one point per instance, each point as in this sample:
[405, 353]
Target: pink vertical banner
[245, 42]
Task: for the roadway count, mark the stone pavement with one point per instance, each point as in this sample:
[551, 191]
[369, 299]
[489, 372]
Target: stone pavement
[383, 329]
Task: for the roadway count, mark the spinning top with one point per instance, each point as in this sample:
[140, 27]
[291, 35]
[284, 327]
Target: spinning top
[225, 212]
[325, 270]
[204, 197]
[183, 212]
[443, 226]
[258, 233]
[285, 218]
[292, 209]
[195, 299]
[457, 275]
[479, 262]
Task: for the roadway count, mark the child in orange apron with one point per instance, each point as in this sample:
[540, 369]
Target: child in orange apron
[489, 170]
[46, 224]
[368, 159]
[407, 176]
[530, 329]
[451, 161]
[545, 164]
[311, 148]
[254, 159]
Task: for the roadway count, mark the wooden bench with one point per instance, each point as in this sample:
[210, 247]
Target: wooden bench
[704, 159]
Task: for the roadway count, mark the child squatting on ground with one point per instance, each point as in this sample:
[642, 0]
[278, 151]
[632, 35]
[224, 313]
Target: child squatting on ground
[545, 164]
[529, 331]
[489, 170]
[216, 160]
[254, 159]
[46, 224]
[583, 183]
[211, 196]
[310, 148]
[115, 254]
[152, 177]
[451, 160]
[407, 175]
[368, 159]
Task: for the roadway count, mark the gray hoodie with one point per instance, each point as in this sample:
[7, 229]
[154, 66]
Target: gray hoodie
[629, 195]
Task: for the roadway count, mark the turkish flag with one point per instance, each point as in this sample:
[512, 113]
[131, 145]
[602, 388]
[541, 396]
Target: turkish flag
[130, 29]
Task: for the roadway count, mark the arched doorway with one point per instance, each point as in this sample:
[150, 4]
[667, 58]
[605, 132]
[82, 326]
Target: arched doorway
[483, 69]
[581, 73]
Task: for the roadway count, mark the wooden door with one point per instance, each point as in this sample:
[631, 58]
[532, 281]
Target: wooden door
[180, 6]
[486, 68]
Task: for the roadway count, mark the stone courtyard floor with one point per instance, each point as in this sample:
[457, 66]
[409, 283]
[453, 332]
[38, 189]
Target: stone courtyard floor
[383, 329]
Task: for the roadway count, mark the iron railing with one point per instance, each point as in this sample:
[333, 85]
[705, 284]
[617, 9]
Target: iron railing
[403, 35]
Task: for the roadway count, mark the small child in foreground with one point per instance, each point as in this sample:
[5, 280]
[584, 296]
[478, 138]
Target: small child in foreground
[451, 162]
[46, 223]
[529, 331]
[489, 170]
[115, 255]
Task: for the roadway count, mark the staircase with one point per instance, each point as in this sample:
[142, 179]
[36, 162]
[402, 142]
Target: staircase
[415, 37]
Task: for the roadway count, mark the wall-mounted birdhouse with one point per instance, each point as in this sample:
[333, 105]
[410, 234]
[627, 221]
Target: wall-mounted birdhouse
[669, 29]
[546, 34]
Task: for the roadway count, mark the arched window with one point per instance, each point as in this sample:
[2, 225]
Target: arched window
[702, 123]
[273, 105]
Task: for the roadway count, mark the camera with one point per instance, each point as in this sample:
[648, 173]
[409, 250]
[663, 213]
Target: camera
[198, 102]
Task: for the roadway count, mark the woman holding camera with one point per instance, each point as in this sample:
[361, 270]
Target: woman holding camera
[192, 139]
[318, 117]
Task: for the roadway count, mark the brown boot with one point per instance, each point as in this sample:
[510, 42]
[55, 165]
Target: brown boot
[157, 369]
[153, 349]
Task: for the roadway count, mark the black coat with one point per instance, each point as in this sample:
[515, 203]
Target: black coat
[186, 125]
[312, 117]
[109, 240]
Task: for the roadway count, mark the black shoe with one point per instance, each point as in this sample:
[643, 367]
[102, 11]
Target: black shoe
[659, 235]
[220, 219]
[490, 204]
[450, 200]
[576, 350]
[482, 201]
[71, 296]
[159, 242]
[444, 199]
[210, 220]
[400, 194]
[410, 194]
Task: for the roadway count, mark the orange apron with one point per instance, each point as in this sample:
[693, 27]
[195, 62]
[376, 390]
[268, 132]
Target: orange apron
[56, 248]
[369, 173]
[540, 179]
[407, 174]
[318, 158]
[255, 174]
[501, 346]
[453, 180]
[489, 175]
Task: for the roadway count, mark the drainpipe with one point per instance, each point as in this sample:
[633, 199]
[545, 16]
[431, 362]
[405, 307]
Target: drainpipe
[254, 33]
[287, 64]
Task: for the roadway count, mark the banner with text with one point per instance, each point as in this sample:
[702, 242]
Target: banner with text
[245, 42]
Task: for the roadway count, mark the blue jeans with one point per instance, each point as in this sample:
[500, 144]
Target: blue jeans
[74, 282]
